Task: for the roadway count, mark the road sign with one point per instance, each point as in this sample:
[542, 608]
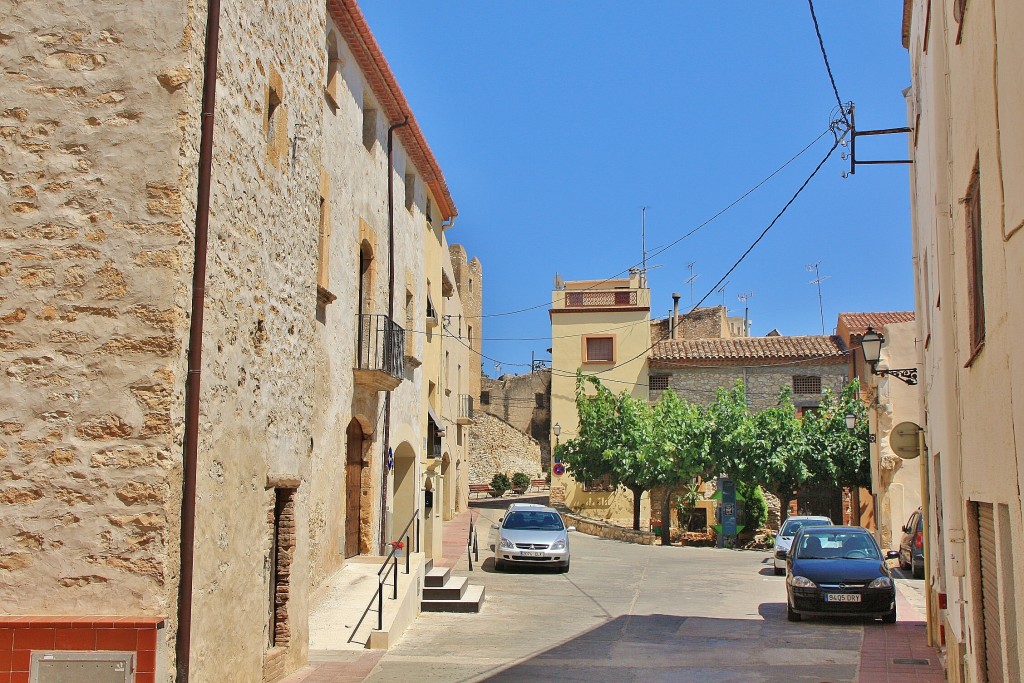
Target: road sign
[904, 441]
[558, 469]
[390, 460]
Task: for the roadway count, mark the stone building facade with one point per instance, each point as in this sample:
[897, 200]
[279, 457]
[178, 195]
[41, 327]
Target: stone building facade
[99, 155]
[523, 401]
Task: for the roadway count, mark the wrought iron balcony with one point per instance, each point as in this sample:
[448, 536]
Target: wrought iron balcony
[465, 409]
[380, 352]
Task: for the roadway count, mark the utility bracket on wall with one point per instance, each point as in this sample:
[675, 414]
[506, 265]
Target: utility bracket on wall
[854, 134]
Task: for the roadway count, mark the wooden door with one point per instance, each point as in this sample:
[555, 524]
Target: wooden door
[353, 487]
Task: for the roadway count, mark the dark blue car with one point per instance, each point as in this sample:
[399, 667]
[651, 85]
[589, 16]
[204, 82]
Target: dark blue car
[839, 571]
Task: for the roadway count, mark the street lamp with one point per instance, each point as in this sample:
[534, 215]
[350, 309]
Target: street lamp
[851, 424]
[557, 429]
[871, 347]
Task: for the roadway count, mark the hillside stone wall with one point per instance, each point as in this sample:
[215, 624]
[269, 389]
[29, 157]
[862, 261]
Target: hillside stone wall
[496, 446]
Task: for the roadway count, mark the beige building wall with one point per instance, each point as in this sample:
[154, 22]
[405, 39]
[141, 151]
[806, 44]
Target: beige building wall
[966, 95]
[628, 323]
[896, 482]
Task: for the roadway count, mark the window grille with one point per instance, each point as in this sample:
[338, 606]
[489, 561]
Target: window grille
[657, 383]
[806, 384]
[600, 349]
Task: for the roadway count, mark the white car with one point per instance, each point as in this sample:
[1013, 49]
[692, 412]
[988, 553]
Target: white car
[785, 537]
[531, 534]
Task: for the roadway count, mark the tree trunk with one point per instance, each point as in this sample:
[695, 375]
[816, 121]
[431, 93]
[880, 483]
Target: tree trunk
[784, 494]
[666, 518]
[636, 507]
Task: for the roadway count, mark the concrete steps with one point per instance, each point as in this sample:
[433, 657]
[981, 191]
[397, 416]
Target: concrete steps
[443, 592]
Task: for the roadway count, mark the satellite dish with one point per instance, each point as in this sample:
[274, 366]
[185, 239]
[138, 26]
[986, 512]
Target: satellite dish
[559, 282]
[904, 442]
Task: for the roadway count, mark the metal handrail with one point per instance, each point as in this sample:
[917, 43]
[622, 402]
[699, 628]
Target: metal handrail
[382, 573]
[472, 547]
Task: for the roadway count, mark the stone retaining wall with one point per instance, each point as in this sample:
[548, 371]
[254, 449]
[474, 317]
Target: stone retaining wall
[496, 446]
[593, 527]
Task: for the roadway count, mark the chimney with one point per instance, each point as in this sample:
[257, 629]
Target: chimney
[675, 314]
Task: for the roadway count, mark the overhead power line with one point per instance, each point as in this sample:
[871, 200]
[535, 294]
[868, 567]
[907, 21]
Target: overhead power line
[660, 250]
[828, 67]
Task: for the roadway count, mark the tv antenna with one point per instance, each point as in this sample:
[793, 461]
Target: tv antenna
[744, 297]
[721, 290]
[559, 282]
[497, 370]
[818, 279]
[690, 280]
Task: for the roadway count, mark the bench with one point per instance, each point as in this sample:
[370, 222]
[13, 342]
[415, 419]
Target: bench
[481, 488]
[539, 484]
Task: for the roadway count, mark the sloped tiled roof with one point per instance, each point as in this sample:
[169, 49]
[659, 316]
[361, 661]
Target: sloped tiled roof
[858, 323]
[747, 349]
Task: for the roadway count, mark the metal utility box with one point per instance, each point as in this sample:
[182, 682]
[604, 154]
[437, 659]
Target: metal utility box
[82, 667]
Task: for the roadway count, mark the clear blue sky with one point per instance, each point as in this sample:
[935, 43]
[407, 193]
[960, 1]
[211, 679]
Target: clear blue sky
[554, 122]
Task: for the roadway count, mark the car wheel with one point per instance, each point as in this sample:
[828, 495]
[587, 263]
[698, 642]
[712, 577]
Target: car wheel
[791, 615]
[498, 565]
[779, 572]
[890, 618]
[564, 569]
[916, 570]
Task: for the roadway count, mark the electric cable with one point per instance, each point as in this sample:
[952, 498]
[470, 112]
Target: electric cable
[660, 250]
[828, 67]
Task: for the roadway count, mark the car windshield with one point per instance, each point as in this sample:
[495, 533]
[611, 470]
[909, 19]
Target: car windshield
[831, 545]
[534, 521]
[794, 525]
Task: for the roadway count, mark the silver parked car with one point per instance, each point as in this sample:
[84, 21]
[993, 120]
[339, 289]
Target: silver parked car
[531, 534]
[785, 537]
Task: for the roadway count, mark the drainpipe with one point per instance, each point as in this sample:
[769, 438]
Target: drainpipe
[675, 314]
[195, 347]
[391, 316]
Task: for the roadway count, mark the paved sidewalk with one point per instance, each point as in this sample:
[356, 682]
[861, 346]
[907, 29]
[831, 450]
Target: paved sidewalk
[341, 665]
[899, 652]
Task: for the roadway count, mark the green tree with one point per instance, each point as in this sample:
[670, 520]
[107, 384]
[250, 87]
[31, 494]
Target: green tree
[681, 450]
[842, 457]
[730, 431]
[778, 454]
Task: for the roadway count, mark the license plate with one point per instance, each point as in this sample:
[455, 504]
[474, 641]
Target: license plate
[842, 597]
[534, 553]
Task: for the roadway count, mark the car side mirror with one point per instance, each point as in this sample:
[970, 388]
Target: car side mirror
[570, 528]
[892, 554]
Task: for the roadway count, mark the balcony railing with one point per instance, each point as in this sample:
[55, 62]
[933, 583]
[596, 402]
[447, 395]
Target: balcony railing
[599, 298]
[465, 409]
[380, 352]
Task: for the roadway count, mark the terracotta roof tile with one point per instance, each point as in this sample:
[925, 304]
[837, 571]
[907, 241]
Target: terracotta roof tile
[858, 323]
[746, 349]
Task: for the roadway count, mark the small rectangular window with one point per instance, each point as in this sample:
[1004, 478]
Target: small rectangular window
[599, 349]
[806, 384]
[600, 484]
[538, 399]
[485, 398]
[369, 127]
[657, 382]
[410, 190]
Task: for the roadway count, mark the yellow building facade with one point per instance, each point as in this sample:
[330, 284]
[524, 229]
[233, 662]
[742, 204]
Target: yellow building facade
[601, 328]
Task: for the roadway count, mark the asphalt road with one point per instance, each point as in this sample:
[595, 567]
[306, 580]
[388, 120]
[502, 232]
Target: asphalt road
[627, 613]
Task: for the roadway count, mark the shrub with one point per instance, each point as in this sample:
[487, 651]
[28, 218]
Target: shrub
[520, 481]
[755, 507]
[500, 484]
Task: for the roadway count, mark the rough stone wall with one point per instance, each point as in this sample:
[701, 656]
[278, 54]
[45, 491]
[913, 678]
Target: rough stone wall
[496, 446]
[701, 323]
[97, 134]
[699, 384]
[523, 401]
